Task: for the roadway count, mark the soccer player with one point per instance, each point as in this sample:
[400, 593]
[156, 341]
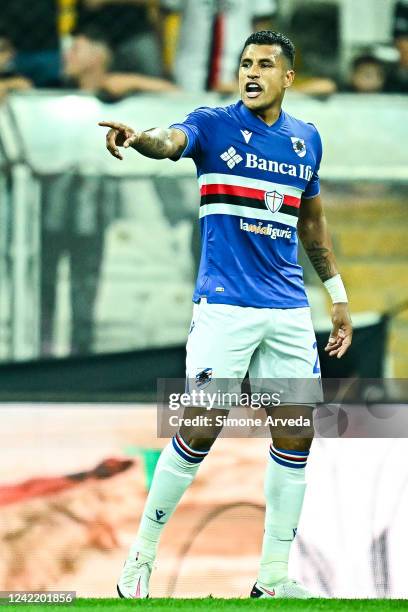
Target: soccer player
[258, 175]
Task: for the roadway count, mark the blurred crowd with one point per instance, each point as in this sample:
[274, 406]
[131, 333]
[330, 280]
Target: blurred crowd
[117, 47]
[113, 48]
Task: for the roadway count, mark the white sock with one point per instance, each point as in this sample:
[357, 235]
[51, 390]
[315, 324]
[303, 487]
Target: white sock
[175, 470]
[284, 491]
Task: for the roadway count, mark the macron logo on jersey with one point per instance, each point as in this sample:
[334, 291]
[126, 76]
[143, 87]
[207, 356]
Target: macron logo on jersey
[247, 135]
[231, 157]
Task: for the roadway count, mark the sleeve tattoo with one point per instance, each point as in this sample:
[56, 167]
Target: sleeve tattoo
[154, 143]
[322, 259]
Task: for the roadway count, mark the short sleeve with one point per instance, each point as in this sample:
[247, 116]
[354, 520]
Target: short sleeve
[313, 186]
[196, 127]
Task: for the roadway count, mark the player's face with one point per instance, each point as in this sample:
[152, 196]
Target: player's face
[264, 75]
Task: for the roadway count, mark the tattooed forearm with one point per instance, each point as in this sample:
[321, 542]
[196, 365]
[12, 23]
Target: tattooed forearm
[321, 258]
[154, 143]
[315, 236]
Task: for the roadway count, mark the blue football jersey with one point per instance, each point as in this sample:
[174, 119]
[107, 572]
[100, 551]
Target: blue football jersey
[251, 177]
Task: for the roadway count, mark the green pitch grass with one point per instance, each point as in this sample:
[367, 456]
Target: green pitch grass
[225, 605]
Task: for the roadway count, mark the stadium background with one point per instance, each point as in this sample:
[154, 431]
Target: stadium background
[125, 235]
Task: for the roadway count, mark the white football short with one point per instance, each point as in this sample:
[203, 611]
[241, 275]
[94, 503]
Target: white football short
[271, 344]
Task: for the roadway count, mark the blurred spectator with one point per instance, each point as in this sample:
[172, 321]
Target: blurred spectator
[368, 75]
[129, 27]
[32, 29]
[319, 87]
[10, 80]
[87, 65]
[210, 39]
[398, 78]
[76, 210]
[88, 60]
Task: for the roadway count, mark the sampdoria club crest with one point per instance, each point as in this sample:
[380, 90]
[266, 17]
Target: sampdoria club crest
[299, 146]
[204, 377]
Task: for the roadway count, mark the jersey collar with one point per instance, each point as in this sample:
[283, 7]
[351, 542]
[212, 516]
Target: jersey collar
[252, 120]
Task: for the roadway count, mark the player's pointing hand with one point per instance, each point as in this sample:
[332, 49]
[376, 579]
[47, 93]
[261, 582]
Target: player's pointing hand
[119, 135]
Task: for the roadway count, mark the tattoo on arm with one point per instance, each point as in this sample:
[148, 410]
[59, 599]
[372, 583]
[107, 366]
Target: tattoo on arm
[154, 143]
[321, 259]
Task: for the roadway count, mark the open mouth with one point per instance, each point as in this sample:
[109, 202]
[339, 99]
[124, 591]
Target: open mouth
[253, 90]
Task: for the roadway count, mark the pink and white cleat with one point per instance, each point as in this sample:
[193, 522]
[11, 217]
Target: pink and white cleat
[134, 579]
[288, 590]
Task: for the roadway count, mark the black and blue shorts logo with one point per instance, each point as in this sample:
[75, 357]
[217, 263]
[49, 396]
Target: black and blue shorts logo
[204, 377]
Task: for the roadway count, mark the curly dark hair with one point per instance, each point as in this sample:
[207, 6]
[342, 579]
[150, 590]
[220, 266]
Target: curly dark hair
[268, 37]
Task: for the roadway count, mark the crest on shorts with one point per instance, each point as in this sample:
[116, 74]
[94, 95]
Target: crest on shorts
[204, 377]
[273, 200]
[299, 146]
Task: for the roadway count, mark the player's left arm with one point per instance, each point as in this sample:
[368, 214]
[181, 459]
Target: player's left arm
[314, 234]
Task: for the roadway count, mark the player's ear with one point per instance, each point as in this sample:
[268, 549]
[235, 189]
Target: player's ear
[289, 78]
